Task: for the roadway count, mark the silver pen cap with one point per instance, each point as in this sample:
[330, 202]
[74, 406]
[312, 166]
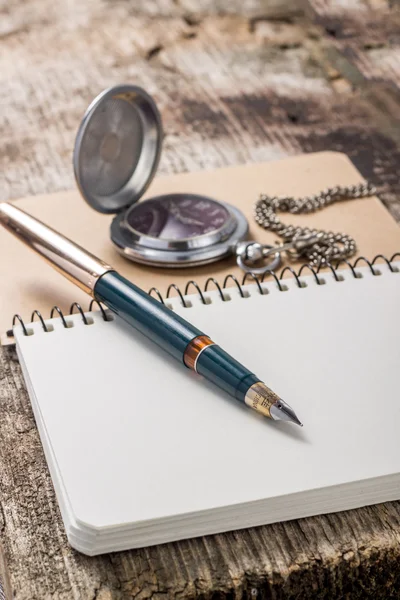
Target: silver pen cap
[72, 261]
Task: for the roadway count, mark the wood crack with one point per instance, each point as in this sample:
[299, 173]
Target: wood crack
[154, 51]
[2, 519]
[279, 19]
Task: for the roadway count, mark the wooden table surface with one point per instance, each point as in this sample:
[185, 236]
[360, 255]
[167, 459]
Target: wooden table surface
[237, 81]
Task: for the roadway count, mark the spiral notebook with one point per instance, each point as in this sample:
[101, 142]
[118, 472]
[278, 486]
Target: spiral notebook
[143, 451]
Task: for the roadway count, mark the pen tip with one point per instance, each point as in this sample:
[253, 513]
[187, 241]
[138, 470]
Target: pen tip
[281, 411]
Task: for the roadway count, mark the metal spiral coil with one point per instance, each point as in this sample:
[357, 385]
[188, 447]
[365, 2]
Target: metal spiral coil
[315, 271]
[220, 289]
[56, 309]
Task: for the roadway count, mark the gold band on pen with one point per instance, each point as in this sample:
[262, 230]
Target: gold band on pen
[194, 349]
[260, 398]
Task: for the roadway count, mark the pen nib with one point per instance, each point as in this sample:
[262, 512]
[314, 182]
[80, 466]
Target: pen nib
[260, 398]
[280, 411]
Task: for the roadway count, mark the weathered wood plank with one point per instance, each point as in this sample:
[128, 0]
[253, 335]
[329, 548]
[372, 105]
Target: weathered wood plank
[361, 41]
[236, 82]
[191, 68]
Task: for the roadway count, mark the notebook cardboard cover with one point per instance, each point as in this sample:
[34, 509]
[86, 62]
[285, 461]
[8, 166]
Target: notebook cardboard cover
[27, 283]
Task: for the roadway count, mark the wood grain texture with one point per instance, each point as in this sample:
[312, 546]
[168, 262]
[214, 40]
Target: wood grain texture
[236, 82]
[367, 34]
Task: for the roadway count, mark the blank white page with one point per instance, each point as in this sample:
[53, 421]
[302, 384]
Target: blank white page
[138, 437]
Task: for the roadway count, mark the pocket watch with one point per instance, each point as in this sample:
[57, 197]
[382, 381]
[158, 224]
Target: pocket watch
[116, 154]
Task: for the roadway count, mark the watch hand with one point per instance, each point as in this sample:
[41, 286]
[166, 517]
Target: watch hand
[189, 221]
[179, 217]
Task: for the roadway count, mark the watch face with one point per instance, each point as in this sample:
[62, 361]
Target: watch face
[172, 217]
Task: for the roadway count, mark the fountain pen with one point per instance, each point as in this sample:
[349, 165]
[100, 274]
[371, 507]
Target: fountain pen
[160, 324]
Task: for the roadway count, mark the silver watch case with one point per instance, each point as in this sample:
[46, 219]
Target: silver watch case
[188, 252]
[116, 154]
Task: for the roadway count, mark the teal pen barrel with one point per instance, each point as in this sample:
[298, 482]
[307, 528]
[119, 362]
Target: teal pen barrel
[218, 366]
[146, 314]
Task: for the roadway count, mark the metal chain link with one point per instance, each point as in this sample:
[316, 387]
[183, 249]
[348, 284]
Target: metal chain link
[328, 246]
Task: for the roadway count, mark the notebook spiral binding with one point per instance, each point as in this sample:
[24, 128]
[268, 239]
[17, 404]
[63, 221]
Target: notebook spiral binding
[248, 276]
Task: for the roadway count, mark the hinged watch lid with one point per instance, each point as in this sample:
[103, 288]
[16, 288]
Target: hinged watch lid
[117, 148]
